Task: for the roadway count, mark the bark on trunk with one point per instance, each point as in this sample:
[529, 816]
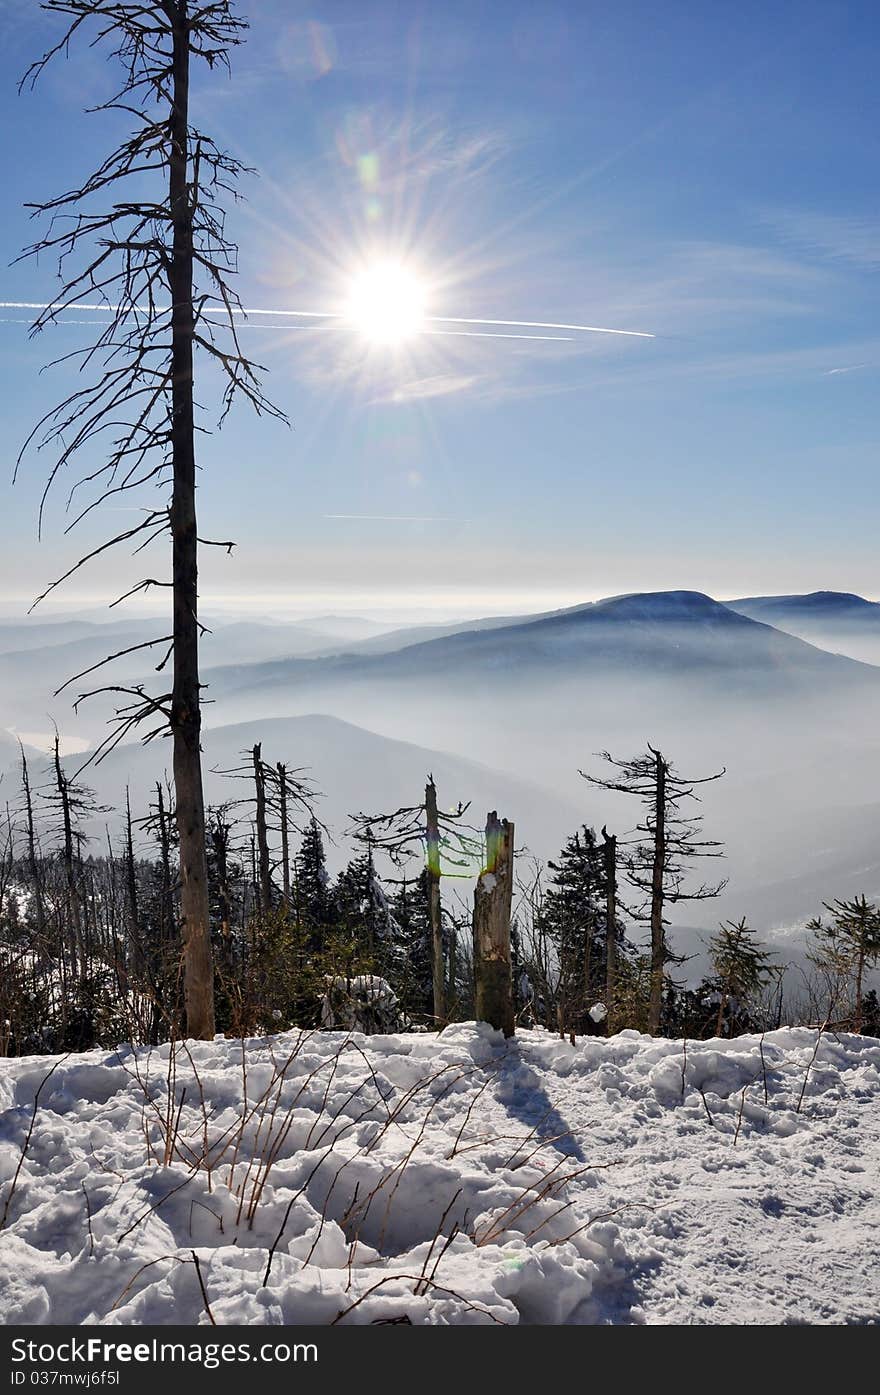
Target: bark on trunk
[492, 902]
[134, 920]
[73, 915]
[285, 835]
[185, 702]
[220, 843]
[163, 820]
[159, 966]
[658, 939]
[33, 865]
[434, 908]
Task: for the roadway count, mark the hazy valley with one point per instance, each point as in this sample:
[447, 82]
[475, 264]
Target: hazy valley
[506, 711]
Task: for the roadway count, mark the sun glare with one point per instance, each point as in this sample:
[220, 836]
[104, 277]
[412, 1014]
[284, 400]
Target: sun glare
[386, 303]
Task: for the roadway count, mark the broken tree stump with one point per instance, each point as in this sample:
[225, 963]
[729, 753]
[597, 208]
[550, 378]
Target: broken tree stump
[493, 896]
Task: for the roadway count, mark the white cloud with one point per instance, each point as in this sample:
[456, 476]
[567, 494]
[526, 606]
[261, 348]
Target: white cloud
[847, 238]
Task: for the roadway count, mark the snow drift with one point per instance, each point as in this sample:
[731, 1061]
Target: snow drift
[333, 1177]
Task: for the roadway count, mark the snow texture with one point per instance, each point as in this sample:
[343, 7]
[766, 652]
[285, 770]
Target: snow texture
[445, 1179]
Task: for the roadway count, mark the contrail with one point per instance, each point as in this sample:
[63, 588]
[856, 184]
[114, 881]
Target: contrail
[340, 315]
[461, 333]
[486, 334]
[539, 324]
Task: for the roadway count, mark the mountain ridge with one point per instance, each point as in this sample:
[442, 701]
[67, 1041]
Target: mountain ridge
[644, 617]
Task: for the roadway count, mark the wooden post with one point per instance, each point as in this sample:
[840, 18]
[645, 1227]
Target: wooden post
[492, 902]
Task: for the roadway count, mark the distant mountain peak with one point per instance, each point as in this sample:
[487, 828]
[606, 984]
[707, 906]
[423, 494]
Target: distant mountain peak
[665, 605]
[815, 603]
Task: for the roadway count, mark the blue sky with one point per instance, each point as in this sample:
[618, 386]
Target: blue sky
[704, 172]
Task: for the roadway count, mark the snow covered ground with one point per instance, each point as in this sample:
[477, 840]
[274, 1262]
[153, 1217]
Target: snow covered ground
[314, 1177]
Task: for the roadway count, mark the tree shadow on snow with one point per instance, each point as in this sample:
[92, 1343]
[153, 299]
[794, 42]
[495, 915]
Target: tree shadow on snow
[521, 1090]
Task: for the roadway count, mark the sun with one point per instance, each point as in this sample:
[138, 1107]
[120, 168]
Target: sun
[386, 302]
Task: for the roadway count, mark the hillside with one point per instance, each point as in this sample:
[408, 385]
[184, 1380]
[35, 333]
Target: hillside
[657, 633]
[357, 769]
[518, 708]
[837, 620]
[37, 658]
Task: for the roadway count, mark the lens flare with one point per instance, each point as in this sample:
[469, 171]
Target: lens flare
[386, 303]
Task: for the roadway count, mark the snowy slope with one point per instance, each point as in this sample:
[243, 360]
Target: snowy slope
[445, 1180]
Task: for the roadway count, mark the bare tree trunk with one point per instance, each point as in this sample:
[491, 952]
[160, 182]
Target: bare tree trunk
[36, 877]
[262, 834]
[220, 843]
[73, 913]
[186, 698]
[134, 926]
[285, 835]
[167, 920]
[162, 822]
[451, 995]
[435, 913]
[493, 896]
[658, 939]
[609, 853]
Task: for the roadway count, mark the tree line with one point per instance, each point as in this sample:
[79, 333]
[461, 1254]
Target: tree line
[92, 952]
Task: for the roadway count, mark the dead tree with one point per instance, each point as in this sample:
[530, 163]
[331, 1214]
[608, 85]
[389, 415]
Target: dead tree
[159, 263]
[162, 958]
[284, 829]
[219, 831]
[435, 911]
[493, 984]
[439, 837]
[265, 869]
[134, 917]
[283, 799]
[656, 860]
[158, 824]
[33, 863]
[70, 804]
[63, 794]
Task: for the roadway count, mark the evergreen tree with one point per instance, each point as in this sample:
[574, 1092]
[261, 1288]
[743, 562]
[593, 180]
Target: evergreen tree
[871, 1014]
[657, 862]
[314, 907]
[360, 908]
[848, 945]
[573, 919]
[741, 968]
[413, 981]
